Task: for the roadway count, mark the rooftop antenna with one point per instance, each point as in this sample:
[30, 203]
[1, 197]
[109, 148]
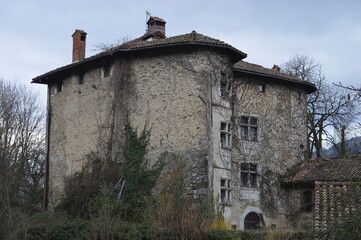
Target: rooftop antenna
[147, 16]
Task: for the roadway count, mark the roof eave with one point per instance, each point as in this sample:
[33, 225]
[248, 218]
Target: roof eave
[44, 78]
[310, 88]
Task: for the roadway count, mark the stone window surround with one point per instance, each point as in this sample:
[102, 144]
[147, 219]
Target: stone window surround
[249, 172]
[226, 191]
[249, 127]
[225, 135]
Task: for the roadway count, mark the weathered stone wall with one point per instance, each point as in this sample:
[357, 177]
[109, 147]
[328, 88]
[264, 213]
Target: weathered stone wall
[299, 218]
[177, 96]
[174, 99]
[281, 143]
[77, 113]
[168, 93]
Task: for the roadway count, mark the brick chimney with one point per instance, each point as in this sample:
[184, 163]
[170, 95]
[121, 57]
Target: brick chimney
[79, 40]
[156, 24]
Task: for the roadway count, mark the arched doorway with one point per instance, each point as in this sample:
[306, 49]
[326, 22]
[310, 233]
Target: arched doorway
[252, 221]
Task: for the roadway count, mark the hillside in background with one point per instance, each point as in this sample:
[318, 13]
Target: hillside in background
[353, 147]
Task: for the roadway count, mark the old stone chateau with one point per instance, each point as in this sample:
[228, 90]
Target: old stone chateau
[241, 126]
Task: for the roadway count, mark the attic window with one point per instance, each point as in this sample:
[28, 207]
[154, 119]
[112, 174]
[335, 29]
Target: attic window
[59, 86]
[82, 38]
[81, 78]
[106, 70]
[262, 88]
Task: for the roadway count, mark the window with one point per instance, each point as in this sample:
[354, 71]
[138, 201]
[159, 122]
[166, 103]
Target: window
[225, 87]
[225, 135]
[252, 221]
[249, 128]
[81, 79]
[226, 191]
[249, 176]
[106, 71]
[59, 86]
[307, 201]
[262, 88]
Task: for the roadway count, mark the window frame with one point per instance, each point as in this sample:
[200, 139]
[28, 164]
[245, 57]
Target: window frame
[225, 135]
[262, 88]
[224, 86]
[248, 131]
[226, 191]
[249, 175]
[307, 201]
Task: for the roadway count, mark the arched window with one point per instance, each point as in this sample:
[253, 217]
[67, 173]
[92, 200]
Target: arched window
[252, 221]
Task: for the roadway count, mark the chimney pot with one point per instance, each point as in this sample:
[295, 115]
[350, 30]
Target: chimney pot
[79, 43]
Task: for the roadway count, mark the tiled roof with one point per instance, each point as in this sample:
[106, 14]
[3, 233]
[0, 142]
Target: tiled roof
[335, 169]
[192, 38]
[189, 38]
[156, 19]
[251, 68]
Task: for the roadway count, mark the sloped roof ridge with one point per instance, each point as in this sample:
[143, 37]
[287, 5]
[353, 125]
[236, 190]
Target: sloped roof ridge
[326, 169]
[243, 65]
[192, 37]
[248, 67]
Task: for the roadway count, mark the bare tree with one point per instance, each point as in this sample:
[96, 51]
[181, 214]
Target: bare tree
[105, 46]
[21, 154]
[329, 108]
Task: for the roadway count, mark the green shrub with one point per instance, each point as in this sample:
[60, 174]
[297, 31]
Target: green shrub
[235, 235]
[347, 228]
[278, 235]
[53, 226]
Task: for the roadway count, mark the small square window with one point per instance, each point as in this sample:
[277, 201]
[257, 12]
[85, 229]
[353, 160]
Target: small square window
[59, 86]
[262, 88]
[81, 79]
[106, 71]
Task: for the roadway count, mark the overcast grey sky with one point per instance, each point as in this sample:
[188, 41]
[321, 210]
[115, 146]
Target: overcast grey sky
[35, 36]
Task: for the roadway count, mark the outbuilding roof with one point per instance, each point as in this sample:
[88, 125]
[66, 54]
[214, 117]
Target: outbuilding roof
[326, 169]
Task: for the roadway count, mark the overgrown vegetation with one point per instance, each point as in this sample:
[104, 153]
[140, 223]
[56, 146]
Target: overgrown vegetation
[21, 155]
[331, 109]
[347, 225]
